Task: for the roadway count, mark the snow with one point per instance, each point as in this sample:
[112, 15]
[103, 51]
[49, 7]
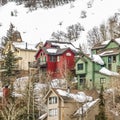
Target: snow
[98, 59]
[117, 40]
[38, 25]
[106, 52]
[24, 45]
[80, 96]
[42, 116]
[63, 45]
[108, 72]
[85, 107]
[39, 86]
[58, 83]
[51, 50]
[20, 83]
[105, 42]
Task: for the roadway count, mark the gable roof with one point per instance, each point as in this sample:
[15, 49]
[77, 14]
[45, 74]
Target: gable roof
[93, 58]
[109, 52]
[57, 48]
[73, 95]
[107, 72]
[106, 43]
[85, 108]
[61, 45]
[24, 46]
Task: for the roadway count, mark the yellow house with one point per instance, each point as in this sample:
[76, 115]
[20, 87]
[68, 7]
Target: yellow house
[23, 51]
[67, 104]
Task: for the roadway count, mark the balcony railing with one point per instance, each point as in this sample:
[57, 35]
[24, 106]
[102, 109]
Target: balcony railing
[32, 64]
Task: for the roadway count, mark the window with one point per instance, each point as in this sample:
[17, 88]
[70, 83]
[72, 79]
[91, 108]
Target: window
[41, 54]
[68, 54]
[58, 58]
[114, 58]
[80, 66]
[109, 66]
[111, 59]
[82, 80]
[53, 112]
[52, 100]
[102, 80]
[53, 58]
[44, 59]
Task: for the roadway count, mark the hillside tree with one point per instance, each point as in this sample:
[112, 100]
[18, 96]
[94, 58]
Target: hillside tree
[72, 34]
[101, 115]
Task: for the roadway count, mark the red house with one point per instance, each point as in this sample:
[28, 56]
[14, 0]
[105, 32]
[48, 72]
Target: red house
[56, 58]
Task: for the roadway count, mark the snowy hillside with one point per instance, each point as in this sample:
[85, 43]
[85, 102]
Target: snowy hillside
[38, 25]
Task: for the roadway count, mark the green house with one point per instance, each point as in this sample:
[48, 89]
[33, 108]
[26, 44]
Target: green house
[102, 66]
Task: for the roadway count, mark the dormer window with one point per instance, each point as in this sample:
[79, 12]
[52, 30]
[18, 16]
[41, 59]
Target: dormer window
[53, 100]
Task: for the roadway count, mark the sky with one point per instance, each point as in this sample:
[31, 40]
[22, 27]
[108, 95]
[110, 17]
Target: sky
[38, 25]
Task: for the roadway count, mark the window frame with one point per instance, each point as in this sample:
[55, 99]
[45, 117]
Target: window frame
[80, 66]
[52, 58]
[53, 112]
[53, 100]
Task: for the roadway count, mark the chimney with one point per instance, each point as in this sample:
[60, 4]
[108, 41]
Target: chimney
[26, 45]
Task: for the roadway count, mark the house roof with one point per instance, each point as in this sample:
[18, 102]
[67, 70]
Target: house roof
[85, 107]
[24, 45]
[60, 44]
[105, 71]
[109, 52]
[105, 43]
[94, 58]
[57, 48]
[74, 95]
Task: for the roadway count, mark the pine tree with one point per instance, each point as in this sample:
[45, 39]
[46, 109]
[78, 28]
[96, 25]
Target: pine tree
[9, 36]
[9, 64]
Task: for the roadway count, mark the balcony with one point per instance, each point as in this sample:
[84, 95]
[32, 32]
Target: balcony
[32, 64]
[43, 64]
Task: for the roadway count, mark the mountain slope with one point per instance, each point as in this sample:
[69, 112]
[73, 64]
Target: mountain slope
[38, 25]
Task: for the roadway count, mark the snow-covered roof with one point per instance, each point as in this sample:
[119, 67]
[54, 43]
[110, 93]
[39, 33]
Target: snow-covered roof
[51, 50]
[117, 40]
[63, 45]
[106, 52]
[42, 117]
[79, 97]
[24, 45]
[108, 72]
[97, 59]
[85, 107]
[105, 42]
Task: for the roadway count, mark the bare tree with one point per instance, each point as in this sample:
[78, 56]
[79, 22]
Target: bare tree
[112, 25]
[93, 36]
[103, 32]
[72, 34]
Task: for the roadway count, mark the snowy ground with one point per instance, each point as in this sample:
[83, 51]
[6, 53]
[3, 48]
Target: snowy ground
[40, 24]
